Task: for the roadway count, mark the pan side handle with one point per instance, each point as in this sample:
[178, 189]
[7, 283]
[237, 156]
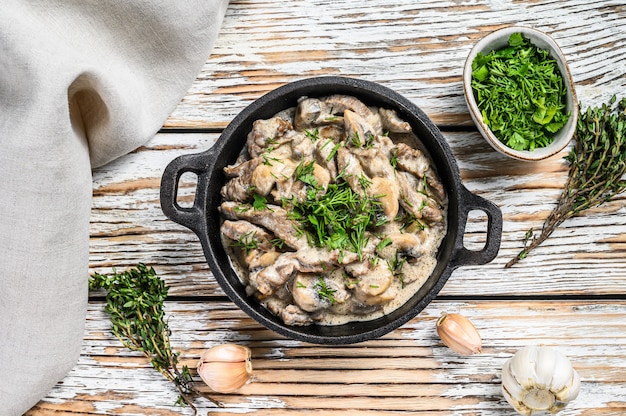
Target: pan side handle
[192, 217]
[463, 256]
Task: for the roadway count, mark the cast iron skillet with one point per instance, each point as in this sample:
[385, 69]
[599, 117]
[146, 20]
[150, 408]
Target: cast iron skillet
[203, 218]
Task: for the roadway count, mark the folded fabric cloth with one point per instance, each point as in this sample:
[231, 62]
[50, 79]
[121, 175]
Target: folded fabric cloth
[81, 83]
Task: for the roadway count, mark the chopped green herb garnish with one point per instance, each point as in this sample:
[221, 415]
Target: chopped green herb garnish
[333, 152]
[324, 291]
[278, 243]
[383, 243]
[259, 203]
[267, 159]
[304, 173]
[355, 140]
[242, 208]
[337, 219]
[394, 159]
[313, 135]
[395, 266]
[247, 242]
[520, 92]
[365, 181]
[370, 140]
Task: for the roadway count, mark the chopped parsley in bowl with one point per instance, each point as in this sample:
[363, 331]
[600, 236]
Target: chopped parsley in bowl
[520, 93]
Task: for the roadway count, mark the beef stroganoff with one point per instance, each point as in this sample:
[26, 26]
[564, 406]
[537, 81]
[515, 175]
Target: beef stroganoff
[332, 213]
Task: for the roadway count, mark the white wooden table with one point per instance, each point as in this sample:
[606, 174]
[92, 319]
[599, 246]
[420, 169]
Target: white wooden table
[570, 293]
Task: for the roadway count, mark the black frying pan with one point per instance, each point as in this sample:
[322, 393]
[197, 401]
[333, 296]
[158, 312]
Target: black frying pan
[204, 220]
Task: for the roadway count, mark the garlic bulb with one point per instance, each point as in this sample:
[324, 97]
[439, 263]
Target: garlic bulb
[539, 378]
[225, 368]
[459, 334]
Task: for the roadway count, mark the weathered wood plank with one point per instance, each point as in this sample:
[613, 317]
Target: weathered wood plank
[416, 48]
[407, 370]
[128, 225]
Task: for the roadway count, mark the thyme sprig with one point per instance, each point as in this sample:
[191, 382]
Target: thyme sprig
[597, 169]
[135, 301]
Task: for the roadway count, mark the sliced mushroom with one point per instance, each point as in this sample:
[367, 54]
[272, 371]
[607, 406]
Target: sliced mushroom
[387, 192]
[313, 112]
[351, 170]
[358, 131]
[372, 283]
[262, 260]
[392, 123]
[402, 245]
[242, 169]
[242, 230]
[414, 202]
[266, 133]
[302, 146]
[325, 156]
[374, 162]
[322, 176]
[293, 315]
[413, 161]
[266, 175]
[312, 292]
[308, 112]
[340, 103]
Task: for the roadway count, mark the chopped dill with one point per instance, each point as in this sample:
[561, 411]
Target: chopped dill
[247, 242]
[337, 219]
[313, 135]
[324, 291]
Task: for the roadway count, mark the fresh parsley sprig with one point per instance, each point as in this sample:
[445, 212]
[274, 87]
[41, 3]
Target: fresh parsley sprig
[597, 169]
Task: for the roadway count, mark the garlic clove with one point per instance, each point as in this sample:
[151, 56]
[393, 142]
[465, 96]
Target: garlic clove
[225, 368]
[224, 377]
[561, 379]
[513, 388]
[227, 353]
[520, 369]
[539, 378]
[459, 334]
[569, 392]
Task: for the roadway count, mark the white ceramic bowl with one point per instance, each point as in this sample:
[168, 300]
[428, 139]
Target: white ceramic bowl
[497, 40]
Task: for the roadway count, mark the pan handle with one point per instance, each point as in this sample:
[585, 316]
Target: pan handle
[463, 256]
[191, 217]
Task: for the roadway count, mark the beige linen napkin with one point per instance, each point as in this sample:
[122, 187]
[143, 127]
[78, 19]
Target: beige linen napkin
[81, 83]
